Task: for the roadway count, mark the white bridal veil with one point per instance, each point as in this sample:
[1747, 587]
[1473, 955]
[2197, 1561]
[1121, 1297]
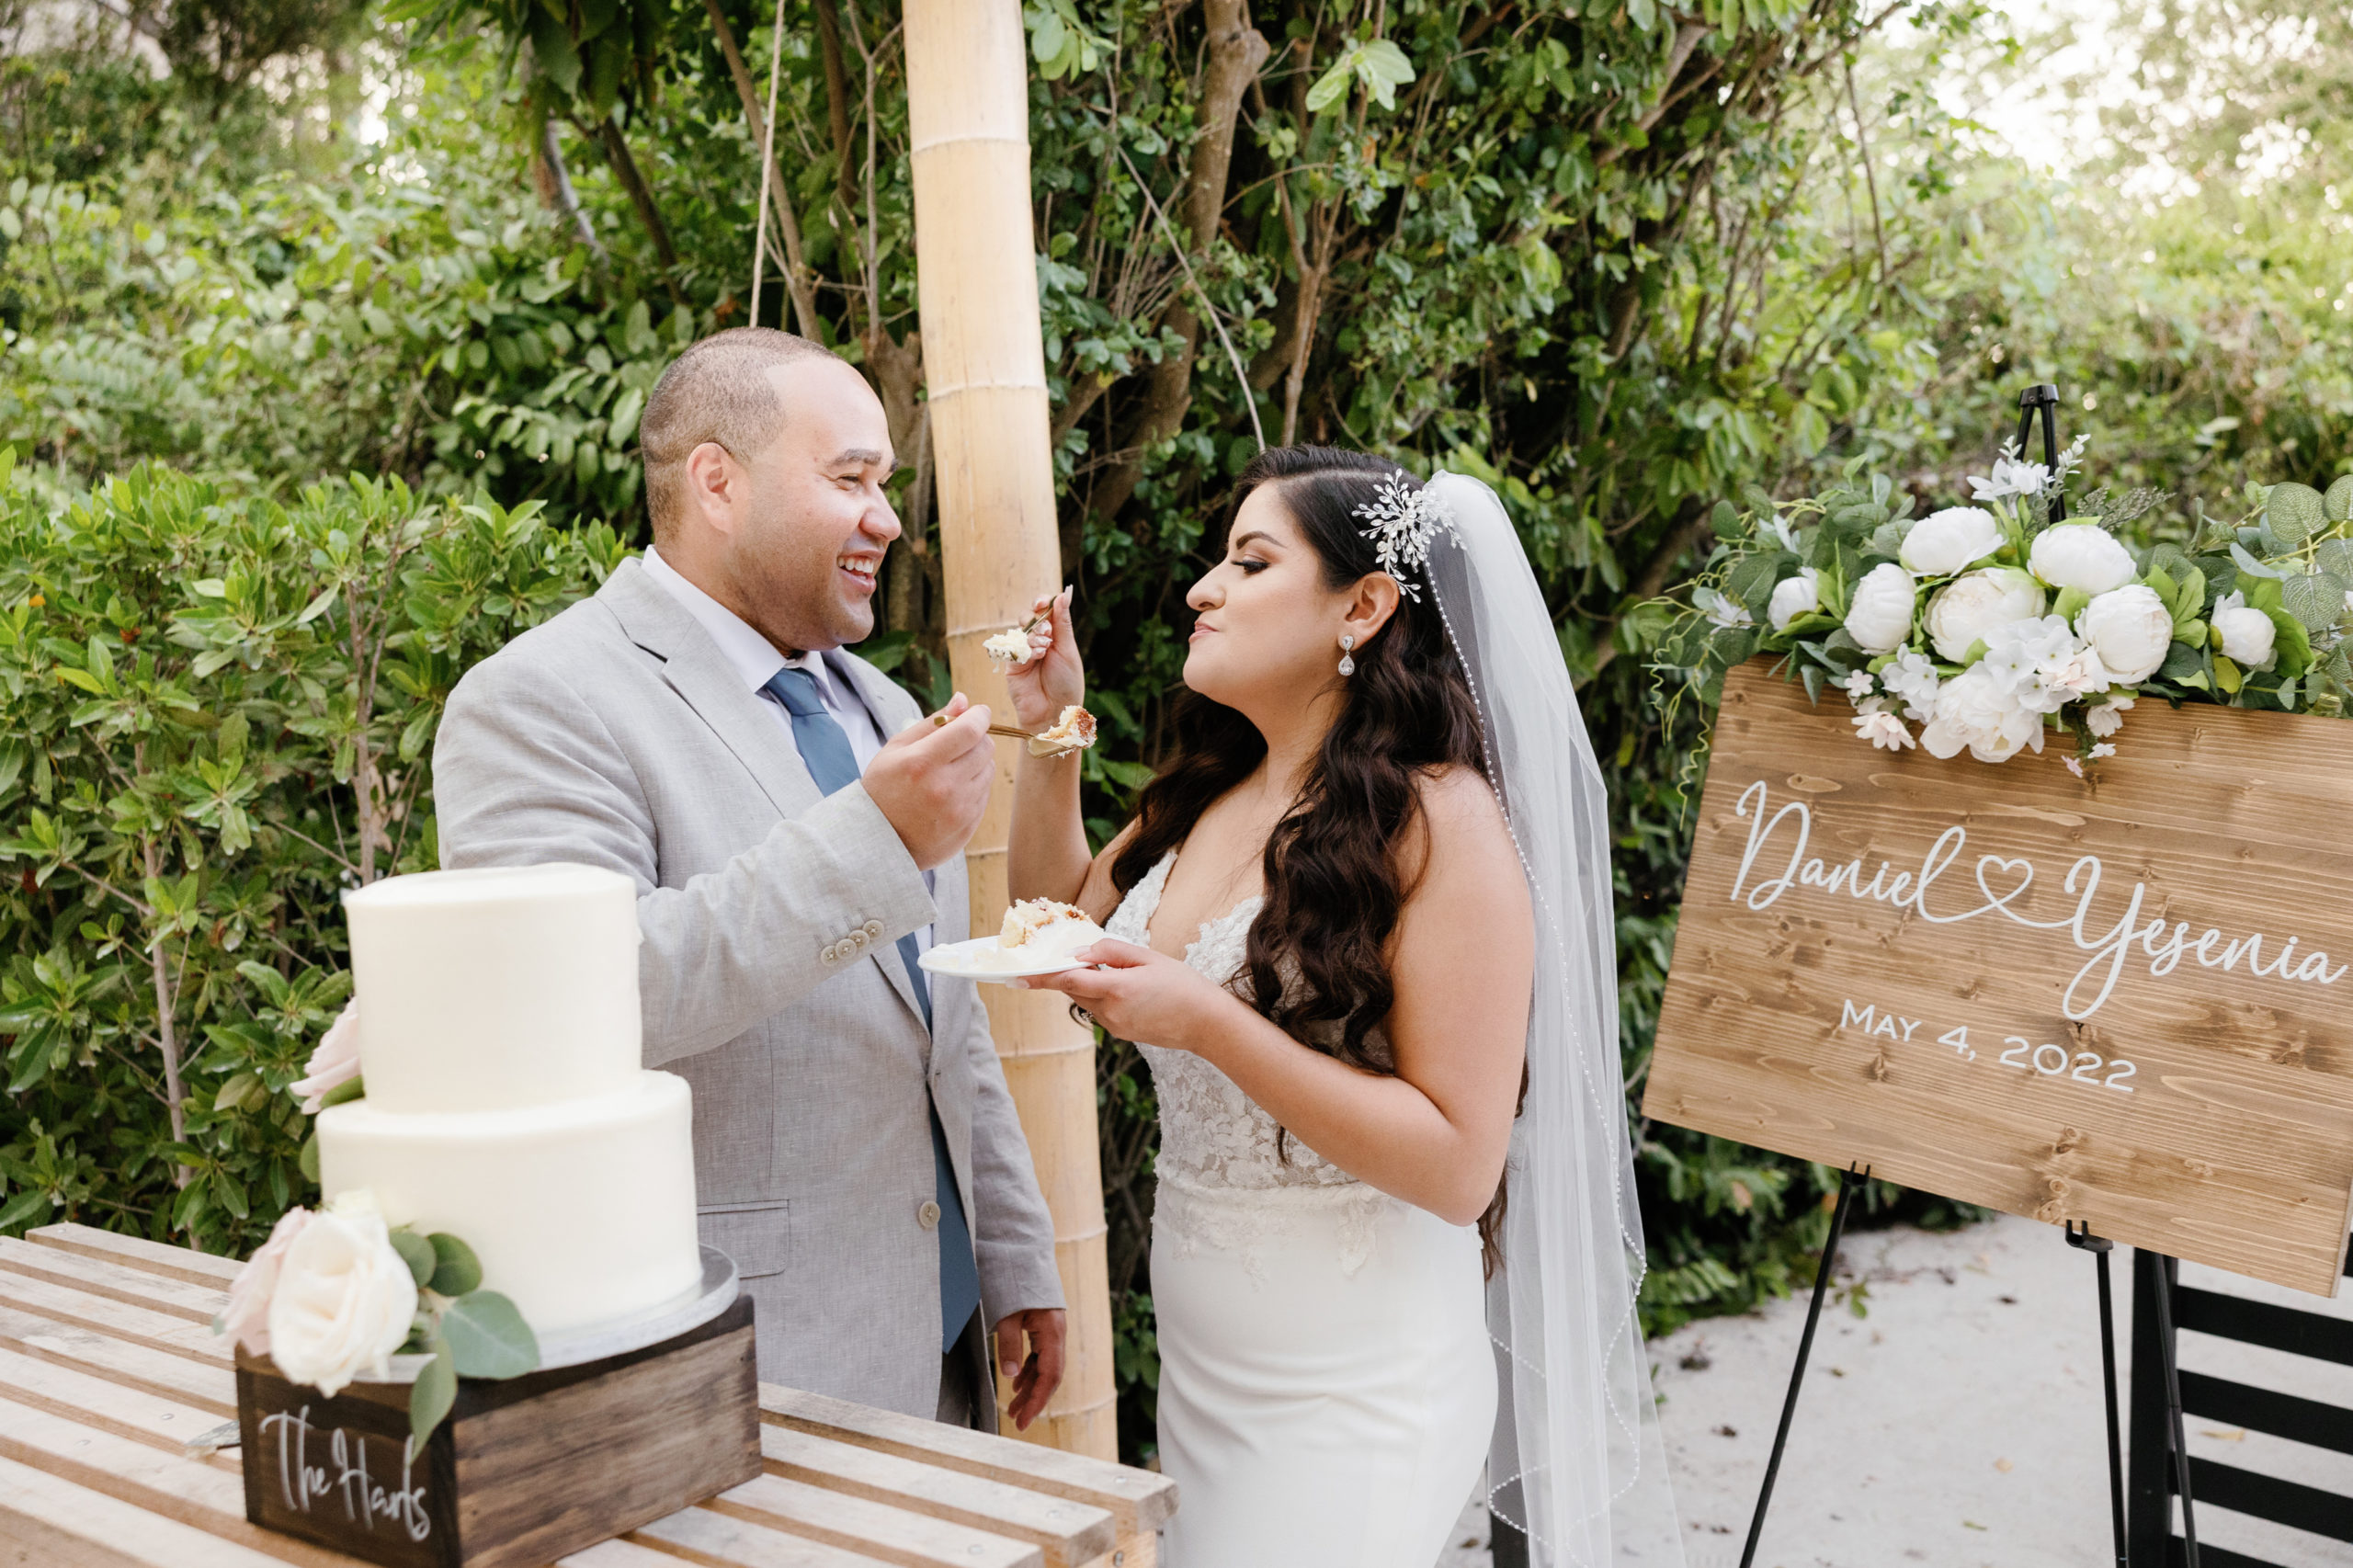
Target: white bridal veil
[1577, 1463]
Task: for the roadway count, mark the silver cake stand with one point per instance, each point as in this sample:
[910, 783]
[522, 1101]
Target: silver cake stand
[593, 1341]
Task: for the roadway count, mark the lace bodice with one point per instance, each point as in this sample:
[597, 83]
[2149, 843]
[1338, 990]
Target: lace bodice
[1211, 1134]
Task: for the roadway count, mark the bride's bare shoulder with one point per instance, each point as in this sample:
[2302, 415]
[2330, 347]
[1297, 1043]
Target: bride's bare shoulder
[1460, 825]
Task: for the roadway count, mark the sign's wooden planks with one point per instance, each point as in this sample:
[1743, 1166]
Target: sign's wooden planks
[2126, 1004]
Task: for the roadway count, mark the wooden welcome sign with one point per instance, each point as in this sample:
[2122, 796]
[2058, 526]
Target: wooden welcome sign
[2124, 1003]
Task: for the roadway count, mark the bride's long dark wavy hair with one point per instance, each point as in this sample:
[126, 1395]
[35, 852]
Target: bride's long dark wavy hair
[1334, 888]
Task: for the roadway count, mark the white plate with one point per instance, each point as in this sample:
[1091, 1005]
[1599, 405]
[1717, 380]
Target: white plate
[977, 960]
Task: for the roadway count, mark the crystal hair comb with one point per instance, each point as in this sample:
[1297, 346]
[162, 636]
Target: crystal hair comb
[1403, 523]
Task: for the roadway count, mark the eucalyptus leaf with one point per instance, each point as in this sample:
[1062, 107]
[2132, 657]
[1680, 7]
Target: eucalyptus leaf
[2251, 566]
[488, 1336]
[456, 1270]
[417, 1252]
[2337, 504]
[2334, 556]
[1726, 522]
[431, 1397]
[2318, 601]
[2293, 513]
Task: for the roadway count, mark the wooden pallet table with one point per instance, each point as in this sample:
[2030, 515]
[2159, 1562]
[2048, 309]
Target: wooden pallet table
[113, 1388]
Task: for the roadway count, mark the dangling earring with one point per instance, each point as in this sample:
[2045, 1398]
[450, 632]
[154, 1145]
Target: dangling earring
[1347, 663]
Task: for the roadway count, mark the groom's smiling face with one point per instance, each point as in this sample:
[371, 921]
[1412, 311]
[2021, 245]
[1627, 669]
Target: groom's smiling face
[816, 521]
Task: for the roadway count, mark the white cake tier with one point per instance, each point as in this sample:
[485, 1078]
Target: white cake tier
[494, 989]
[581, 1212]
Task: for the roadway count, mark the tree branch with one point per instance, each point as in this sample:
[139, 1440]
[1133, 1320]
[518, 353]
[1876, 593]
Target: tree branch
[796, 268]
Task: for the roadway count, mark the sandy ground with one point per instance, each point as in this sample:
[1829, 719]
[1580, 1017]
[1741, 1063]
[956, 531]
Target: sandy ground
[1958, 1422]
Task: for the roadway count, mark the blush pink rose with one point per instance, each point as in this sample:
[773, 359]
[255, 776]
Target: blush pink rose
[334, 1061]
[246, 1319]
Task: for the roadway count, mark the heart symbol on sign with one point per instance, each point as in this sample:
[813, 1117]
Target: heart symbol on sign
[2007, 866]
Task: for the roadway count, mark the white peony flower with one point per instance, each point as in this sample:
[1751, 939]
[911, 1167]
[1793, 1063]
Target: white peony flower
[1721, 608]
[2109, 717]
[1943, 543]
[1911, 676]
[2131, 629]
[2043, 665]
[344, 1300]
[1973, 604]
[1976, 711]
[245, 1319]
[1879, 617]
[2011, 477]
[2247, 634]
[1794, 596]
[1874, 723]
[2081, 555]
[334, 1061]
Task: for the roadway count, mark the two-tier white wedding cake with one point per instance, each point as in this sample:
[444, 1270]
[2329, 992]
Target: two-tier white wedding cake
[506, 1102]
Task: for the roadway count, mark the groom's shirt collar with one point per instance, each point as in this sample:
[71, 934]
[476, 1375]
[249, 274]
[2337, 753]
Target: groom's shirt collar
[752, 657]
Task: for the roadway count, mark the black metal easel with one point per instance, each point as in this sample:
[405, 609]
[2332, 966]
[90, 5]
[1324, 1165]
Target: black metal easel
[2099, 1248]
[2043, 396]
[1847, 1186]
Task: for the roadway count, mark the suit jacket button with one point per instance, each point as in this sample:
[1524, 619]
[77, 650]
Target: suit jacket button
[831, 951]
[927, 1215]
[873, 930]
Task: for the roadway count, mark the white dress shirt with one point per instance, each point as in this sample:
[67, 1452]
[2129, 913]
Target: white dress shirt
[756, 660]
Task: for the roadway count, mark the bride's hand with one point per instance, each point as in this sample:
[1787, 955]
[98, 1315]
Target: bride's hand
[1140, 995]
[1052, 679]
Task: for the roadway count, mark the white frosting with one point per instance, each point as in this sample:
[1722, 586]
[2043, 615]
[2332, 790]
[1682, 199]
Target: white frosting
[506, 986]
[506, 1099]
[582, 1210]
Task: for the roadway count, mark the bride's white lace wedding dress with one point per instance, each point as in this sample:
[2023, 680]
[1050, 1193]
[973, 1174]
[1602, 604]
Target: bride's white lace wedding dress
[1327, 1388]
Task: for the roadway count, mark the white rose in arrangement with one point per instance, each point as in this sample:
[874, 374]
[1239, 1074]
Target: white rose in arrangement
[1972, 606]
[2081, 555]
[2130, 628]
[246, 1319]
[2247, 634]
[1943, 543]
[2043, 665]
[1879, 617]
[1794, 596]
[334, 1061]
[344, 1300]
[1975, 711]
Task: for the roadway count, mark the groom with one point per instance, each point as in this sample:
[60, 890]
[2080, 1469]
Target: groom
[796, 846]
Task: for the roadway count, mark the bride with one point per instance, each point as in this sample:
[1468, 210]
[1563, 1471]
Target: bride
[1360, 928]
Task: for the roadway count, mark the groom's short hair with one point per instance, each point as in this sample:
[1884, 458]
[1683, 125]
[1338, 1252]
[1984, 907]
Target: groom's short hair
[717, 390]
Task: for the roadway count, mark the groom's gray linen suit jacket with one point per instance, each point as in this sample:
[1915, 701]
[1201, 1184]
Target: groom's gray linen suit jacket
[618, 735]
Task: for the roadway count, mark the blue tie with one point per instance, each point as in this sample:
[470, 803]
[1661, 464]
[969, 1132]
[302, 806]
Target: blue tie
[830, 763]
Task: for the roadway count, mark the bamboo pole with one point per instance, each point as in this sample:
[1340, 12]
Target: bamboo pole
[984, 362]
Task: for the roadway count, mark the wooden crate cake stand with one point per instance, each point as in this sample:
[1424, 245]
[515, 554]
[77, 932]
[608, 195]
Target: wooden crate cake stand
[520, 1471]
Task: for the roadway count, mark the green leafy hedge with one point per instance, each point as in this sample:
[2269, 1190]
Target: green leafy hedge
[216, 715]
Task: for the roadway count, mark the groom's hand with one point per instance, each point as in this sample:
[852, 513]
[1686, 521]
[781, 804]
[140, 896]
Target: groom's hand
[1038, 1374]
[932, 780]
